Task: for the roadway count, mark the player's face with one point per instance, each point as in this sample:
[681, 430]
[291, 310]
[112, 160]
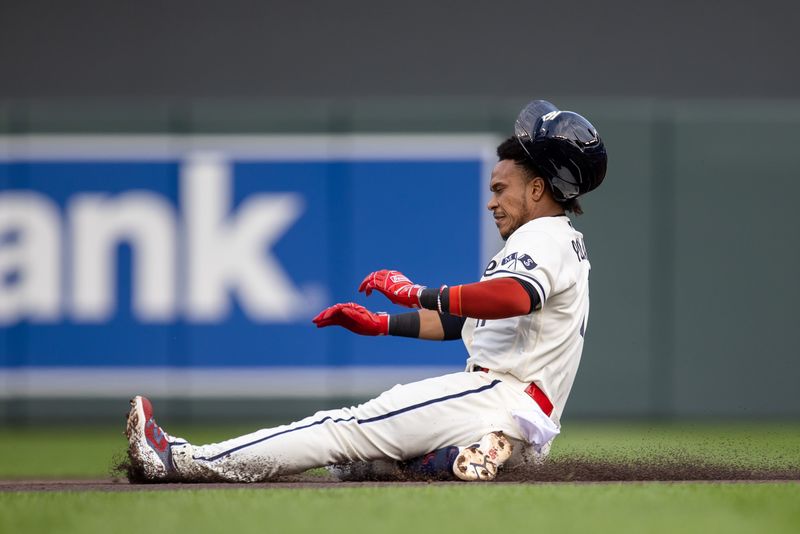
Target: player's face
[512, 202]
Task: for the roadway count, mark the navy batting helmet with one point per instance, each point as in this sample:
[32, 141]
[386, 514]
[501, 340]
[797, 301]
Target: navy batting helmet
[563, 146]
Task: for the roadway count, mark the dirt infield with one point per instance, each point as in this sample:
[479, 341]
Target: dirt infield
[113, 485]
[560, 471]
[577, 469]
[109, 485]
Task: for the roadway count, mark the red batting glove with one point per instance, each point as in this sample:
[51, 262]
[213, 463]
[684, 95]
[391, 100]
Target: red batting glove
[395, 285]
[355, 318]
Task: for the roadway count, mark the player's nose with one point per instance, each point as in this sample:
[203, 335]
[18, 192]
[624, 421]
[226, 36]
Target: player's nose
[492, 204]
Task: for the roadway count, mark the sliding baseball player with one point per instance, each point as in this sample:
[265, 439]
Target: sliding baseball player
[523, 325]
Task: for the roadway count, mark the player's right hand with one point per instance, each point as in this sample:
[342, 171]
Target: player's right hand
[355, 318]
[395, 286]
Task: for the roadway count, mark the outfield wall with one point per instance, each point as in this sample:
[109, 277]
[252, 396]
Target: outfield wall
[142, 251]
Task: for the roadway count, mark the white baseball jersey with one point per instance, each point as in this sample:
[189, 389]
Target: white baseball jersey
[544, 346]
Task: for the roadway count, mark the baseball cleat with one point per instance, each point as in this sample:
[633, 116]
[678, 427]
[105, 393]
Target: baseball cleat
[149, 447]
[482, 460]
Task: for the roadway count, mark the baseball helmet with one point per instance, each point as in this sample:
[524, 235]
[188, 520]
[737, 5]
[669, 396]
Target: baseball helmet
[563, 146]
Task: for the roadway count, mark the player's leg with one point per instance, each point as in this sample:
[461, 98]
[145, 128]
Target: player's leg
[444, 464]
[404, 422]
[454, 462]
[477, 461]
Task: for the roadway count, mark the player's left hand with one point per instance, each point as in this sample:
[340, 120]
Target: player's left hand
[355, 318]
[395, 286]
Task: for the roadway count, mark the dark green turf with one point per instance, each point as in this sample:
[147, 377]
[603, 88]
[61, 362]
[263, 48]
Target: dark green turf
[460, 509]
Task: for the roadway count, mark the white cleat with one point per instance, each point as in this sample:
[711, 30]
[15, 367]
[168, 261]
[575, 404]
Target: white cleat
[482, 460]
[149, 447]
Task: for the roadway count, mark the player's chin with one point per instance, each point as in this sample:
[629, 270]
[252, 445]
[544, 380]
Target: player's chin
[502, 227]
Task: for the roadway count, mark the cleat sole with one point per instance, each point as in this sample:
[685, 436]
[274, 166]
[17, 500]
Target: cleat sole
[483, 460]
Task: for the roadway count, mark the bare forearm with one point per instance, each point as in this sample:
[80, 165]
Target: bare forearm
[430, 327]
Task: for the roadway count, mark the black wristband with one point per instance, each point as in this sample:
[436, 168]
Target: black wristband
[404, 324]
[444, 300]
[432, 298]
[428, 298]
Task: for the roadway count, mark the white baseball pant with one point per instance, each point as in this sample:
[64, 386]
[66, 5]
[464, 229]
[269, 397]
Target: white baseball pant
[404, 422]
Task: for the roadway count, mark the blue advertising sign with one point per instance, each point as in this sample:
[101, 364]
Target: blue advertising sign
[216, 252]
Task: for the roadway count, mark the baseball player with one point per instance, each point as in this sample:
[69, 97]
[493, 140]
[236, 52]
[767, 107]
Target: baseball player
[523, 325]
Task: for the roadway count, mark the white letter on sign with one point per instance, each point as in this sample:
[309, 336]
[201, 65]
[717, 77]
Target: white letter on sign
[231, 252]
[99, 224]
[30, 257]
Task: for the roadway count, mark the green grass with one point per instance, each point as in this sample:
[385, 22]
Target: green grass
[639, 507]
[459, 509]
[87, 452]
[83, 452]
[744, 444]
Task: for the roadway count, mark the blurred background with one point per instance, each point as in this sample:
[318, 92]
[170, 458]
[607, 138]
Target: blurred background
[184, 185]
